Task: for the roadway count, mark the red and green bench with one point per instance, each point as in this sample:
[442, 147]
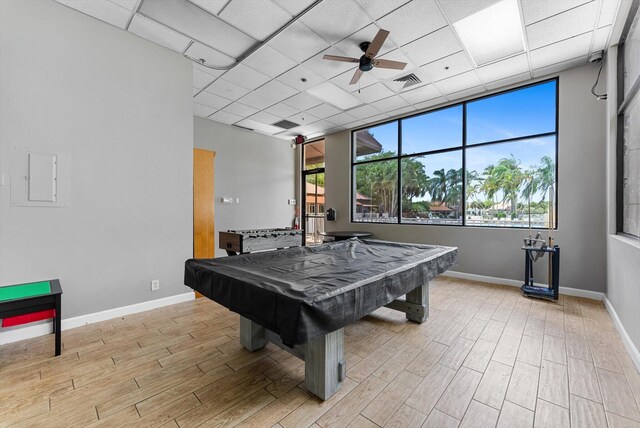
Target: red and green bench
[35, 301]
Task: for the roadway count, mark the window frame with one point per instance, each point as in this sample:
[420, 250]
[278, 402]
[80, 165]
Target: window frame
[623, 103]
[463, 148]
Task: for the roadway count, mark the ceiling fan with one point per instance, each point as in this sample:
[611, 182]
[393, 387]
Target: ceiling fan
[368, 61]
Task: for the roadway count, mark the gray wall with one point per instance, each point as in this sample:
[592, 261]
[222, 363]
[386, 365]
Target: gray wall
[623, 254]
[496, 252]
[256, 168]
[121, 107]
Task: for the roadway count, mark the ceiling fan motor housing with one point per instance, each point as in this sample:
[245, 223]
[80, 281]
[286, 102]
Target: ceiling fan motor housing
[365, 63]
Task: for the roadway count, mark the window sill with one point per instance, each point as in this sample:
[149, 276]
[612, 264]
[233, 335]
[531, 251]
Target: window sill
[633, 242]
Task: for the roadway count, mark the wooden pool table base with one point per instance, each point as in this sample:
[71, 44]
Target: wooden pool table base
[323, 356]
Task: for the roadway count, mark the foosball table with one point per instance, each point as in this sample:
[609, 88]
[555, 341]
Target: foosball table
[249, 241]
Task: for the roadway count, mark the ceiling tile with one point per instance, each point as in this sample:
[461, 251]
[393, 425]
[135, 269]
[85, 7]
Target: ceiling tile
[225, 117]
[503, 69]
[196, 23]
[211, 6]
[374, 92]
[376, 9]
[269, 61]
[401, 111]
[465, 93]
[351, 45]
[448, 66]
[458, 83]
[420, 94]
[534, 11]
[303, 118]
[210, 56]
[294, 7]
[157, 33]
[127, 4]
[259, 19]
[355, 124]
[432, 47]
[202, 76]
[258, 101]
[302, 101]
[319, 126]
[103, 10]
[226, 89]
[377, 118]
[293, 78]
[323, 111]
[201, 110]
[210, 100]
[561, 51]
[508, 81]
[413, 21]
[281, 110]
[388, 104]
[246, 77]
[333, 20]
[264, 117]
[608, 12]
[560, 66]
[196, 90]
[276, 90]
[363, 112]
[455, 10]
[341, 119]
[342, 81]
[430, 103]
[601, 39]
[562, 26]
[240, 109]
[298, 42]
[260, 127]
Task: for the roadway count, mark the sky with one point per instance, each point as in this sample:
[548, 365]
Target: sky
[527, 111]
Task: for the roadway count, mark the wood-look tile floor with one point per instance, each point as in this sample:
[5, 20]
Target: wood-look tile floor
[486, 357]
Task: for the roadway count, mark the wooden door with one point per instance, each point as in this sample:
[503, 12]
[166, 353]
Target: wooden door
[204, 245]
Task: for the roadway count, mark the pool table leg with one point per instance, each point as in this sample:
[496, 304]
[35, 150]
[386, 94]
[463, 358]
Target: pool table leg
[324, 367]
[252, 335]
[420, 297]
[57, 328]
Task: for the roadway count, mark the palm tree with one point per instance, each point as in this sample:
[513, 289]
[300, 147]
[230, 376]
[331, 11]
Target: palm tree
[509, 175]
[437, 186]
[546, 176]
[490, 185]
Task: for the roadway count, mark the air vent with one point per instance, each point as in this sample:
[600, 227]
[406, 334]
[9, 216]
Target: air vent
[285, 124]
[408, 80]
[243, 127]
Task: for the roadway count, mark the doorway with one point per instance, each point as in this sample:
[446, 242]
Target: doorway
[313, 195]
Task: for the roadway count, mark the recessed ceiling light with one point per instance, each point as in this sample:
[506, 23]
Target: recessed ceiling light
[492, 33]
[330, 93]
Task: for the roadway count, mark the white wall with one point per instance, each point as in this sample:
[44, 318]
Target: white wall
[256, 168]
[496, 252]
[121, 107]
[623, 254]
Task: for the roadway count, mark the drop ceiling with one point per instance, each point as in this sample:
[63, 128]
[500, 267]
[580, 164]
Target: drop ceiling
[286, 39]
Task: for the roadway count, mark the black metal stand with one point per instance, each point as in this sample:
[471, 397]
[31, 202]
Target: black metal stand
[530, 290]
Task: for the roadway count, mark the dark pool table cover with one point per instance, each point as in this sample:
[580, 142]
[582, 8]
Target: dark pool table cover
[304, 292]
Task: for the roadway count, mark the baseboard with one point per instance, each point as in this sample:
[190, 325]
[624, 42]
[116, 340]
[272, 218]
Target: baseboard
[628, 343]
[36, 330]
[595, 295]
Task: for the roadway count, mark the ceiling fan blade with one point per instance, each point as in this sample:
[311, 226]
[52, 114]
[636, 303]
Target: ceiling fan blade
[340, 58]
[376, 44]
[387, 63]
[356, 77]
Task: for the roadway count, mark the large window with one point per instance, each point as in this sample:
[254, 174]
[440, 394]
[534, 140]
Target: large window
[485, 162]
[628, 206]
